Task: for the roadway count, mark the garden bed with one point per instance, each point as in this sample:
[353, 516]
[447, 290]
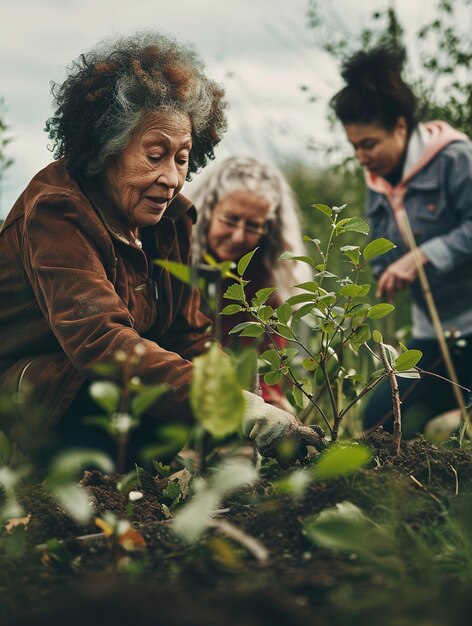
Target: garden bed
[420, 500]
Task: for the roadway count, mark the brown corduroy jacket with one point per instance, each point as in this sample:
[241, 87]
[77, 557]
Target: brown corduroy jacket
[74, 289]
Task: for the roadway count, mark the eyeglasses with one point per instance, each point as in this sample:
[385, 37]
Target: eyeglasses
[249, 227]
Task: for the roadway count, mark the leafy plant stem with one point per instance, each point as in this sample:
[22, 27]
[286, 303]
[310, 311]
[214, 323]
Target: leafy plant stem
[293, 379]
[397, 420]
[329, 245]
[334, 406]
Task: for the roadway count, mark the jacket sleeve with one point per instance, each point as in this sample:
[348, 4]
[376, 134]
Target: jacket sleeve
[455, 247]
[70, 266]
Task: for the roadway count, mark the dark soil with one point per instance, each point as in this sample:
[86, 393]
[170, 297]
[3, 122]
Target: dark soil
[93, 581]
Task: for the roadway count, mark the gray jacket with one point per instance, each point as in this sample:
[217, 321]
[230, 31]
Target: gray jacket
[438, 201]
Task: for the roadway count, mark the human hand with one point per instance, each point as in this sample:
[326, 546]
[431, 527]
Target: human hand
[399, 274]
[275, 432]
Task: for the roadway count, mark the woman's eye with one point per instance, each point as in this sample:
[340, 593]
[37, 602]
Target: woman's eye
[182, 160]
[155, 157]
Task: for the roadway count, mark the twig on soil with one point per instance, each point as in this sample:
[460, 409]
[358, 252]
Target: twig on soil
[416, 482]
[456, 493]
[84, 539]
[252, 545]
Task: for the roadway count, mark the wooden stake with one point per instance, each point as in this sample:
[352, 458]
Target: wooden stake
[433, 312]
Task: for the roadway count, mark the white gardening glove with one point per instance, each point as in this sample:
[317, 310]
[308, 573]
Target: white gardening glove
[275, 432]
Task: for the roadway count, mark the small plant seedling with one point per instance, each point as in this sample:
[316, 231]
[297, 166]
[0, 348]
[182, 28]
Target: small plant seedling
[337, 311]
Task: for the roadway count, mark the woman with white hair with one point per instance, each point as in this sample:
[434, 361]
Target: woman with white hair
[244, 204]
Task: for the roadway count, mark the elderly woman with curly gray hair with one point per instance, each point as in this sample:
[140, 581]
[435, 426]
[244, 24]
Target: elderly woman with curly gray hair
[134, 118]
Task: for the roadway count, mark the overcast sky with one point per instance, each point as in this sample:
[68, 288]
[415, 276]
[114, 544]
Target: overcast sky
[262, 51]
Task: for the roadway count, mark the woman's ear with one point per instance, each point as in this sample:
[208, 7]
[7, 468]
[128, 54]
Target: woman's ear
[401, 126]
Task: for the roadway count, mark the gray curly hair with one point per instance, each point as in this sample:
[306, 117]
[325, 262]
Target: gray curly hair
[284, 234]
[112, 87]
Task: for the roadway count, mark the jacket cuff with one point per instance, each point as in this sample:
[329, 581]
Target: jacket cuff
[438, 254]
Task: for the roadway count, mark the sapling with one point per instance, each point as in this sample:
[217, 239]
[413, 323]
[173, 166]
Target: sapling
[339, 314]
[124, 403]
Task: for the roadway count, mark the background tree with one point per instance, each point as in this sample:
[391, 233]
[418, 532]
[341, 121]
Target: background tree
[442, 47]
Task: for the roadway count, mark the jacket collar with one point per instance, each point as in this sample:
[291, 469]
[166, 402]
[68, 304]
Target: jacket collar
[426, 141]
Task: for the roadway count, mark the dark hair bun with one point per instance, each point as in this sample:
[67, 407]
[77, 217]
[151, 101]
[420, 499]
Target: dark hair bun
[374, 67]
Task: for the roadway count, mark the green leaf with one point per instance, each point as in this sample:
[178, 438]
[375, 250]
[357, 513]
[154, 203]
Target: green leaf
[377, 336]
[265, 313]
[325, 274]
[360, 336]
[273, 378]
[287, 256]
[311, 285]
[357, 378]
[352, 225]
[345, 528]
[377, 247]
[302, 311]
[246, 367]
[380, 310]
[324, 208]
[244, 261]
[234, 292]
[359, 310]
[284, 331]
[310, 364]
[353, 253]
[365, 290]
[350, 291]
[74, 500]
[231, 309]
[262, 295]
[301, 297]
[179, 270]
[283, 313]
[146, 398]
[240, 327]
[300, 398]
[102, 421]
[215, 395]
[407, 360]
[378, 373]
[288, 354]
[106, 394]
[171, 492]
[272, 357]
[341, 461]
[253, 330]
[408, 374]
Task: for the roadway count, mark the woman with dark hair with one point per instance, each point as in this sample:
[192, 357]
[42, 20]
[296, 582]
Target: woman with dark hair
[243, 204]
[134, 118]
[425, 170]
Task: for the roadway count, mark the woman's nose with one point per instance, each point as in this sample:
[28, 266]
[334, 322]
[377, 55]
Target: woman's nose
[238, 233]
[169, 174]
